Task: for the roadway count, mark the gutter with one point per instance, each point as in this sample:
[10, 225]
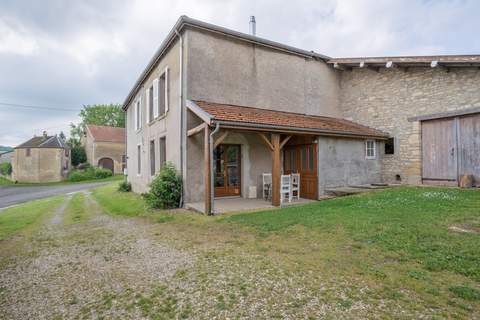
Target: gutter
[212, 188]
[182, 122]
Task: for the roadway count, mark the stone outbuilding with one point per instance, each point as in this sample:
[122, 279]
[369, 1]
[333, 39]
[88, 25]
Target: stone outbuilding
[105, 147]
[41, 159]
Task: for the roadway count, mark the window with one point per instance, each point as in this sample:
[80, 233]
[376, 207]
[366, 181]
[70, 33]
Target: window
[390, 146]
[152, 157]
[138, 115]
[67, 152]
[139, 159]
[149, 94]
[370, 152]
[163, 151]
[161, 94]
[27, 152]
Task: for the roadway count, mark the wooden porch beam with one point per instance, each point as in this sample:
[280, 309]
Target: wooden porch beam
[265, 139]
[276, 169]
[196, 130]
[282, 144]
[220, 139]
[208, 186]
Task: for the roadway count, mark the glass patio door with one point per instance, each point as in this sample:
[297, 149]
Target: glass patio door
[226, 159]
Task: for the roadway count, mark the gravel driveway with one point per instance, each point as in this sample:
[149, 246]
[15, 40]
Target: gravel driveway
[12, 195]
[75, 271]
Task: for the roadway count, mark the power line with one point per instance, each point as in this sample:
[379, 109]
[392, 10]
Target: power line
[13, 105]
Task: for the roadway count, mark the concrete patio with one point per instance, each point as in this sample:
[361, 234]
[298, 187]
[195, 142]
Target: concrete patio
[238, 204]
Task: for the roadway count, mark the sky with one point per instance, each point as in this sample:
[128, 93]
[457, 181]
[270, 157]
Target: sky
[65, 54]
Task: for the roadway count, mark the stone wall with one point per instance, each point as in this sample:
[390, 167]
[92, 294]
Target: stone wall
[386, 99]
[43, 165]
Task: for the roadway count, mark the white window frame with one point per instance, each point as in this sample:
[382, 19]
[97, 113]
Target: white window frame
[156, 105]
[138, 114]
[139, 160]
[374, 149]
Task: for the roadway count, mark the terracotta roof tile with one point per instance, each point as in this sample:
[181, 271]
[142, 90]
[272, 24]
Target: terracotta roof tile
[107, 134]
[241, 114]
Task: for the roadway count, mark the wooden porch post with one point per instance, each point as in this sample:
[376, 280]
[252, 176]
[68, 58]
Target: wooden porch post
[208, 187]
[276, 169]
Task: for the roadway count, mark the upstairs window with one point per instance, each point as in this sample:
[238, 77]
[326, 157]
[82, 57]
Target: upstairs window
[27, 152]
[138, 115]
[163, 92]
[150, 104]
[390, 146]
[370, 150]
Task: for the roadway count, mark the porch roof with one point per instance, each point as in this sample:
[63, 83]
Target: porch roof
[262, 119]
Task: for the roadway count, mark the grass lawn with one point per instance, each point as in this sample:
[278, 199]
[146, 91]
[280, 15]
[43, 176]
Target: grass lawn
[18, 218]
[392, 247]
[5, 181]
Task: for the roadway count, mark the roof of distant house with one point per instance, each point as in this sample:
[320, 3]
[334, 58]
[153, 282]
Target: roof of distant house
[44, 142]
[107, 134]
[241, 116]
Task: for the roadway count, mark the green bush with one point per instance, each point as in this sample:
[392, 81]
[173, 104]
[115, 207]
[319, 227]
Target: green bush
[165, 189]
[90, 173]
[125, 186]
[6, 168]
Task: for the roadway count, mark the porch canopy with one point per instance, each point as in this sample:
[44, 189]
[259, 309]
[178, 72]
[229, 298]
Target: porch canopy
[275, 128]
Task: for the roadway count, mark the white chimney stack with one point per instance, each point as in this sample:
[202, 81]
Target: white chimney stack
[253, 26]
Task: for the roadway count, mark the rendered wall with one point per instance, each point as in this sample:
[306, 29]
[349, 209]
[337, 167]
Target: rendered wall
[342, 162]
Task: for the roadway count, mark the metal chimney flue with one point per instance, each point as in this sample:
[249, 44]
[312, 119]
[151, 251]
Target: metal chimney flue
[253, 26]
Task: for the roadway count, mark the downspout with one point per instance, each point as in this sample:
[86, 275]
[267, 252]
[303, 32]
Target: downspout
[212, 188]
[182, 138]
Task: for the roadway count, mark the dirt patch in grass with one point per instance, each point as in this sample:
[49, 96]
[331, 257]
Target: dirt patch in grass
[464, 228]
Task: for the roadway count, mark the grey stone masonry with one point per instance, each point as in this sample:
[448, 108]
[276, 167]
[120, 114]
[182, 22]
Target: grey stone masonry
[386, 99]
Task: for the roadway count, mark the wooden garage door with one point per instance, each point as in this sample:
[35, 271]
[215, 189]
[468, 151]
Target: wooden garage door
[450, 149]
[469, 146]
[439, 151]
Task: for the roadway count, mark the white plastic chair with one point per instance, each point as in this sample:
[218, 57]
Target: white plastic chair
[285, 188]
[295, 186]
[267, 185]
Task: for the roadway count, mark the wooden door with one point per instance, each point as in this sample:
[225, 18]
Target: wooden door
[469, 146]
[303, 159]
[227, 168]
[439, 152]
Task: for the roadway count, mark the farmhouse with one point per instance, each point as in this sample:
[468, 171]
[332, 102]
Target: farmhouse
[105, 147]
[41, 159]
[232, 110]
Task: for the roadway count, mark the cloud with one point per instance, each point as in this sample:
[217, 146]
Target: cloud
[71, 53]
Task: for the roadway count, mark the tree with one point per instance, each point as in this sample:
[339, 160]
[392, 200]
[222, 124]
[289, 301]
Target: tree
[102, 115]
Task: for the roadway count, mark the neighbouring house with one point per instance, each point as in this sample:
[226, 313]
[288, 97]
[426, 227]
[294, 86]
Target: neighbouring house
[6, 156]
[226, 106]
[105, 147]
[41, 159]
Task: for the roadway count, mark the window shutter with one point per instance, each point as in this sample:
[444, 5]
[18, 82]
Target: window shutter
[147, 104]
[136, 114]
[156, 106]
[167, 89]
[140, 112]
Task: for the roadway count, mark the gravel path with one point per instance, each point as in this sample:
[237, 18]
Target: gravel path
[65, 269]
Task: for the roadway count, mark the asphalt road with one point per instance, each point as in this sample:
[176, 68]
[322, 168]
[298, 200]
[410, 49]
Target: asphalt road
[12, 195]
